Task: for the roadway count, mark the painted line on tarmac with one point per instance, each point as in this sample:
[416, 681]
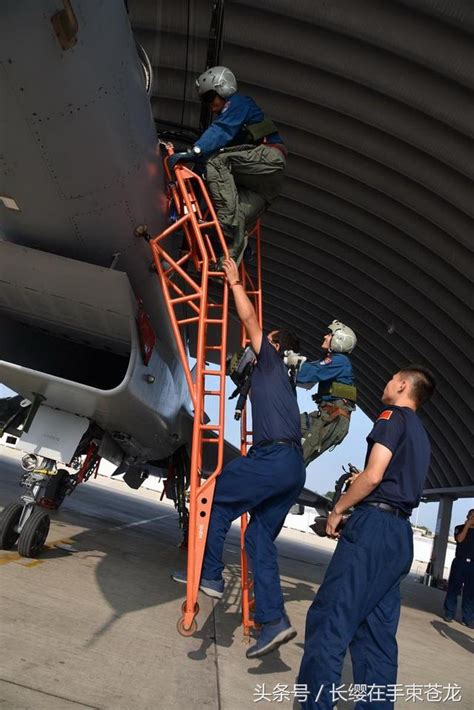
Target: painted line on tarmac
[141, 522]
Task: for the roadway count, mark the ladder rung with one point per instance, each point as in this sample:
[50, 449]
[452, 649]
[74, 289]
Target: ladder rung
[212, 372]
[215, 393]
[182, 299]
[214, 321]
[210, 441]
[213, 347]
[210, 427]
[188, 320]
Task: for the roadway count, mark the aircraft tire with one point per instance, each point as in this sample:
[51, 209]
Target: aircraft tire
[9, 518]
[34, 534]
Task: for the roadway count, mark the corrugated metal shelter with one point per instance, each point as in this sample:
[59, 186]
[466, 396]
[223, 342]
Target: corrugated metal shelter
[374, 226]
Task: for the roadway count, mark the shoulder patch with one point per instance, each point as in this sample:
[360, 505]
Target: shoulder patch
[327, 361]
[386, 414]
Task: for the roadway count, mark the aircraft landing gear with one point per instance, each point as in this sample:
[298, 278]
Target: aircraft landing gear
[9, 521]
[26, 522]
[34, 532]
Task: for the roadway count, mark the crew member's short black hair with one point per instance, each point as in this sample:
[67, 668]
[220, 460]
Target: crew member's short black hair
[423, 383]
[209, 96]
[287, 340]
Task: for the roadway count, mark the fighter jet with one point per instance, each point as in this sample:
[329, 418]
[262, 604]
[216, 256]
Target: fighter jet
[85, 339]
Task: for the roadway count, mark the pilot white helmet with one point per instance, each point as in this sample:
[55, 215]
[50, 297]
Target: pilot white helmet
[343, 338]
[218, 79]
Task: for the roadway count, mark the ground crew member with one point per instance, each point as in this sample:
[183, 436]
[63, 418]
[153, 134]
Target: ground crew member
[358, 603]
[461, 575]
[266, 482]
[336, 398]
[246, 157]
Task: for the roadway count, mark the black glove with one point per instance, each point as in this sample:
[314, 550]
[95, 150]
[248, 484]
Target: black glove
[185, 157]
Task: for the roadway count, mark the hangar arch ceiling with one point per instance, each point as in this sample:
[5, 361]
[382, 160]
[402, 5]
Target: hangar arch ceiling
[375, 223]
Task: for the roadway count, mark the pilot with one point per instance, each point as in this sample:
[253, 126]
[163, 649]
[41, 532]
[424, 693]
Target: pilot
[266, 482]
[328, 425]
[358, 603]
[246, 157]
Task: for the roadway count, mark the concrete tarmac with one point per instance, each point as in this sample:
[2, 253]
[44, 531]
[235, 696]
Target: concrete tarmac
[92, 622]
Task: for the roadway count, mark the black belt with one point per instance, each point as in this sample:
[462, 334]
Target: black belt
[272, 442]
[389, 509]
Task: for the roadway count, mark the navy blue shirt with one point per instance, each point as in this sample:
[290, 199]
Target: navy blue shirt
[335, 367]
[465, 549]
[275, 412]
[401, 431]
[228, 128]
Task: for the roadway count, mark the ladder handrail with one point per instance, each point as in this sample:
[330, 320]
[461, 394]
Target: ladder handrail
[256, 294]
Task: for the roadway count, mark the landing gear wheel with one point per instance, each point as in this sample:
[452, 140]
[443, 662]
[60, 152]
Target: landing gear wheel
[183, 631]
[34, 534]
[196, 607]
[9, 519]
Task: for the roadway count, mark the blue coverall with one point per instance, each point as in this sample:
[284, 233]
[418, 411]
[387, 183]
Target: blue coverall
[329, 425]
[227, 129]
[335, 367]
[265, 483]
[242, 180]
[358, 603]
[461, 578]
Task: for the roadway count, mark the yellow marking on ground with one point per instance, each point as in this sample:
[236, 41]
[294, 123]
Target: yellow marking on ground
[6, 557]
[9, 557]
[33, 563]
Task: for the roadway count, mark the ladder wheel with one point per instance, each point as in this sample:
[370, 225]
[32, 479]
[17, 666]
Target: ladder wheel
[183, 607]
[9, 519]
[34, 534]
[183, 631]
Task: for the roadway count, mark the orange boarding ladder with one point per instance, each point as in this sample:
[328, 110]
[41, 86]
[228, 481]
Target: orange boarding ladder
[254, 292]
[185, 280]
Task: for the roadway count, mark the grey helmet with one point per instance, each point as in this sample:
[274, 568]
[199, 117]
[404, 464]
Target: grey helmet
[343, 338]
[218, 79]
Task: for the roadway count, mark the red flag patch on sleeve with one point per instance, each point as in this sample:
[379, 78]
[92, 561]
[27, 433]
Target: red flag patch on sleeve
[386, 414]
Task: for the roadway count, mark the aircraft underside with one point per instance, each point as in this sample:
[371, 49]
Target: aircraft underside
[86, 341]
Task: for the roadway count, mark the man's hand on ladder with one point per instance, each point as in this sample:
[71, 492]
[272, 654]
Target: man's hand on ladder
[185, 157]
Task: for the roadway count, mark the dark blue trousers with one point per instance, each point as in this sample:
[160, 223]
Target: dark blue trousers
[461, 577]
[358, 606]
[265, 483]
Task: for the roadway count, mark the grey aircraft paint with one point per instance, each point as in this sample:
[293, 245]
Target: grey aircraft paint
[80, 168]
